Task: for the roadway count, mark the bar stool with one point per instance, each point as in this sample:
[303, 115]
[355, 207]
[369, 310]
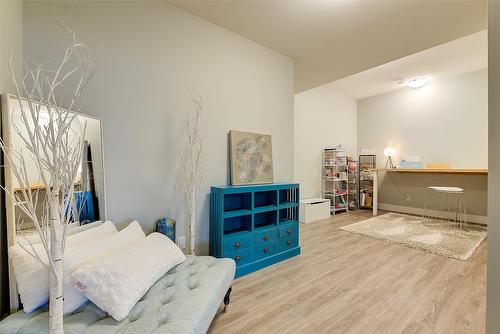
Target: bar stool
[447, 199]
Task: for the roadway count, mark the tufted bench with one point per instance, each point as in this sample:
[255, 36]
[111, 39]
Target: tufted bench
[185, 300]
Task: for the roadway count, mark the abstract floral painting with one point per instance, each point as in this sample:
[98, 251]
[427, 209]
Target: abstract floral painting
[251, 158]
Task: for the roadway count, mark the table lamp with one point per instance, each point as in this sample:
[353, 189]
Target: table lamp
[389, 152]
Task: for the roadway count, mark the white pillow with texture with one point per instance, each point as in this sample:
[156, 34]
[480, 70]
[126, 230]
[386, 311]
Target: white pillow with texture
[29, 272]
[76, 257]
[117, 282]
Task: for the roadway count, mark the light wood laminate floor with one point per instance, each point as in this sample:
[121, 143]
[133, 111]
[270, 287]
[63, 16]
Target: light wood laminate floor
[345, 283]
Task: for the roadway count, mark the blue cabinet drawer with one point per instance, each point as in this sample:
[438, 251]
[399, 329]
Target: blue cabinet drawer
[266, 236]
[241, 256]
[288, 230]
[288, 243]
[236, 242]
[264, 250]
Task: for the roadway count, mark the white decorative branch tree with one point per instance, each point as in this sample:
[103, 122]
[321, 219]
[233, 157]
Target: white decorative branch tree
[193, 164]
[56, 151]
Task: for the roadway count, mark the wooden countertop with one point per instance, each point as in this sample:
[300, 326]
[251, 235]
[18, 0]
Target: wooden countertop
[435, 170]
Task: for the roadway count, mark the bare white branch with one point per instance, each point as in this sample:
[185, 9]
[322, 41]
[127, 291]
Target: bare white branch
[46, 129]
[193, 163]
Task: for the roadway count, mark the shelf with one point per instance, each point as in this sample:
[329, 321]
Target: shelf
[237, 224]
[265, 219]
[337, 179]
[237, 202]
[236, 213]
[265, 208]
[264, 228]
[286, 205]
[288, 197]
[338, 209]
[290, 214]
[264, 198]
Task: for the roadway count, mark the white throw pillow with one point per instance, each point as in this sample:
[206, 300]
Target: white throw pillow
[76, 257]
[117, 282]
[29, 272]
[73, 228]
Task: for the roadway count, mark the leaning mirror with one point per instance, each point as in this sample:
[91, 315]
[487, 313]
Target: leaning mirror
[89, 204]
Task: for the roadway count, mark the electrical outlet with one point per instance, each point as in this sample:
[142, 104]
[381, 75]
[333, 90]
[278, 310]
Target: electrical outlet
[181, 242]
[407, 197]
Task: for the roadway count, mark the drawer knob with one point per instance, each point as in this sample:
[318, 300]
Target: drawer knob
[237, 244]
[266, 237]
[289, 231]
[289, 242]
[266, 249]
[237, 258]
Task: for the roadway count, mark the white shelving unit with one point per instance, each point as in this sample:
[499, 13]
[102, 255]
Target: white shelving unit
[335, 179]
[367, 165]
[353, 182]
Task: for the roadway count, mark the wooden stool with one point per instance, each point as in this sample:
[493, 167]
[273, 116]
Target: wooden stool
[450, 200]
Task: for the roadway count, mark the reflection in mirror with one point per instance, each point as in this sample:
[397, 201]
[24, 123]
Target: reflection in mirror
[89, 202]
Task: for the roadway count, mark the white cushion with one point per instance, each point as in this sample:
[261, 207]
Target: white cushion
[73, 228]
[76, 257]
[30, 273]
[117, 282]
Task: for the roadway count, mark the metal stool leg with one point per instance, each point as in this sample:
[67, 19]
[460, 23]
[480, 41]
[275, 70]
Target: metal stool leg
[424, 215]
[433, 204]
[464, 212]
[451, 203]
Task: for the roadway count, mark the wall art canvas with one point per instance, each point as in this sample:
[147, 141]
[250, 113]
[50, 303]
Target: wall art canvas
[251, 158]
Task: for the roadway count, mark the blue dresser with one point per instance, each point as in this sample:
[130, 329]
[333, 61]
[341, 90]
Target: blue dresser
[255, 225]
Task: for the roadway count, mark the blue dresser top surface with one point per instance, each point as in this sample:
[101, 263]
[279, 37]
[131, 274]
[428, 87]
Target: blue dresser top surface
[256, 187]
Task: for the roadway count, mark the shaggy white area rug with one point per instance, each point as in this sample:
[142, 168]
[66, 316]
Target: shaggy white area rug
[433, 237]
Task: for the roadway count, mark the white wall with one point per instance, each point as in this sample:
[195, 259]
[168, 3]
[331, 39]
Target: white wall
[493, 278]
[11, 41]
[322, 118]
[153, 56]
[445, 121]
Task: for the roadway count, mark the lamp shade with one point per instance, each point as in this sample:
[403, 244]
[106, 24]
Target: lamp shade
[389, 151]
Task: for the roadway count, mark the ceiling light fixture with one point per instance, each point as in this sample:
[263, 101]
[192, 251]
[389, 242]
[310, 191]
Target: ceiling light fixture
[417, 82]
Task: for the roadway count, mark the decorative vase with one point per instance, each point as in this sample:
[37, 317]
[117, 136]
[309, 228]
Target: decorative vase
[166, 226]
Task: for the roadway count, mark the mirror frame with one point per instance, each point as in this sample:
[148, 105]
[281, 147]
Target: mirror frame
[10, 222]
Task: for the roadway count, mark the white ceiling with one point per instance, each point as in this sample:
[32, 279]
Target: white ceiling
[463, 55]
[332, 39]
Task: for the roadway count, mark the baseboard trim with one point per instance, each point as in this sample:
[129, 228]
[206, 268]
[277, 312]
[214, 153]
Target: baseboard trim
[483, 220]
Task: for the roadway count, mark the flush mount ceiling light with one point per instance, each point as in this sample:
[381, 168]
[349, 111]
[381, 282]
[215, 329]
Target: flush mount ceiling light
[417, 82]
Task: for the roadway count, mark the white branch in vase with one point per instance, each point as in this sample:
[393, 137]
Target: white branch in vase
[193, 164]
